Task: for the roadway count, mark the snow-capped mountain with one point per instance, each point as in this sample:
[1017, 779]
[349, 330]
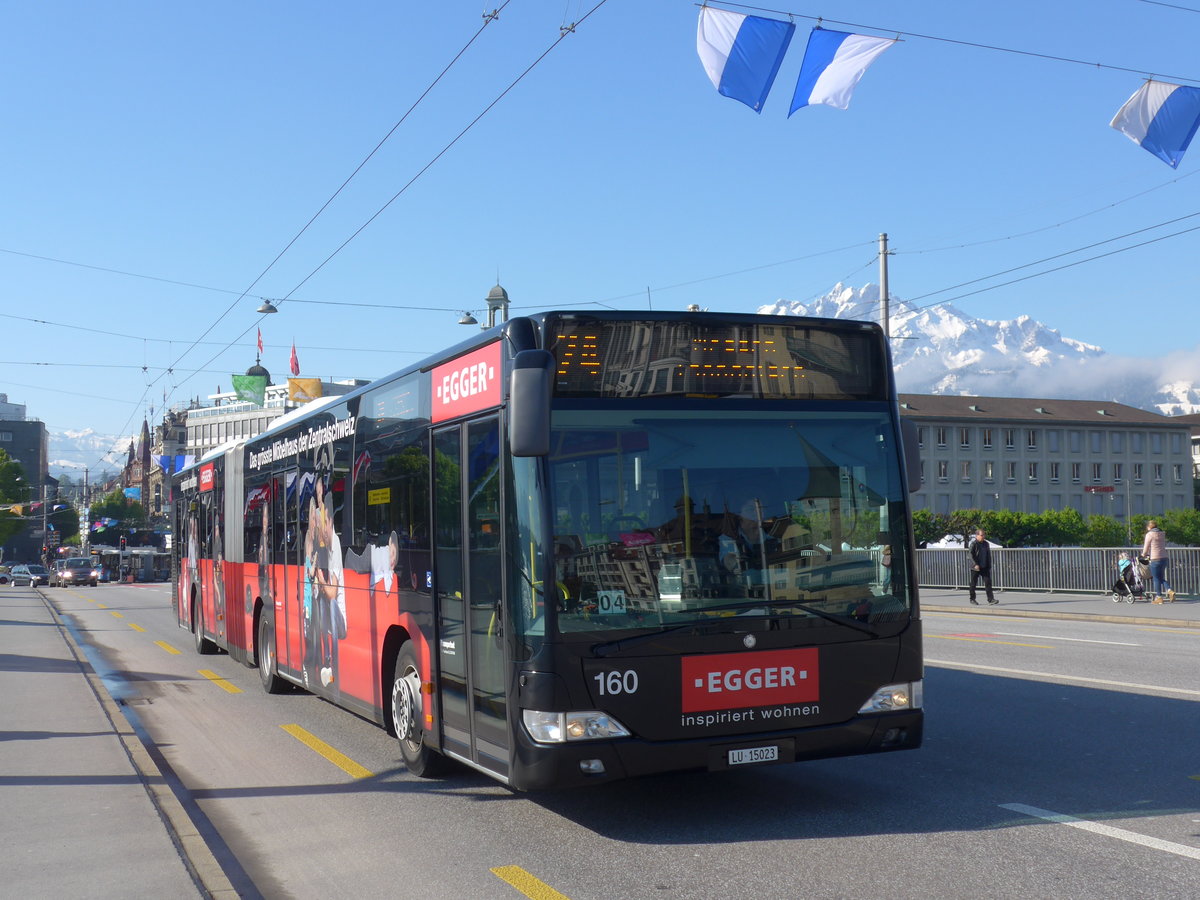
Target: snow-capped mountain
[941, 350]
[71, 452]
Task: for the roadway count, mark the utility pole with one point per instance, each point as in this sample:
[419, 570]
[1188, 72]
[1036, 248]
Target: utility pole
[883, 286]
[85, 519]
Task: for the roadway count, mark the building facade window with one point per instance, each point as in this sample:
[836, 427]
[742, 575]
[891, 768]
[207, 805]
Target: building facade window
[1158, 473]
[1137, 443]
[1118, 442]
[988, 470]
[1076, 472]
[1097, 442]
[1097, 472]
[1156, 443]
[965, 467]
[1177, 472]
[1138, 475]
[1031, 439]
[1074, 441]
[964, 438]
[1033, 471]
[943, 470]
[1054, 472]
[1010, 471]
[1052, 441]
[1010, 438]
[921, 437]
[1118, 472]
[987, 439]
[941, 436]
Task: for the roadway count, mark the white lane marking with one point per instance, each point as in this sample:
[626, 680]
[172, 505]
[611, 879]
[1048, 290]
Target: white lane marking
[1046, 637]
[1053, 676]
[1107, 830]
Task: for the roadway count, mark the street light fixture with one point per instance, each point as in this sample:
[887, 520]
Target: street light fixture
[468, 319]
[267, 307]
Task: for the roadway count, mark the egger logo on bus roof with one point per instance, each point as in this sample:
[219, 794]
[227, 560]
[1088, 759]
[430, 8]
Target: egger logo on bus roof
[467, 384]
[739, 680]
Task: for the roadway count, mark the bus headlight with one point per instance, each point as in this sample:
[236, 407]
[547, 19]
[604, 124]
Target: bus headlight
[892, 697]
[557, 727]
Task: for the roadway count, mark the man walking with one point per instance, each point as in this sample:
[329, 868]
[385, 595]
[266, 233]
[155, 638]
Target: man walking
[981, 566]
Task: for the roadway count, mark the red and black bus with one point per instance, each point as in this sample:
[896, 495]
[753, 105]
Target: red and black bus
[581, 547]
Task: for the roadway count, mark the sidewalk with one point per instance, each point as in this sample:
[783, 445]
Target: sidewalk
[1183, 613]
[85, 812]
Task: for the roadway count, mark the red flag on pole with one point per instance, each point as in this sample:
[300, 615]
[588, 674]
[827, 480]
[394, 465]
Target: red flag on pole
[260, 342]
[295, 361]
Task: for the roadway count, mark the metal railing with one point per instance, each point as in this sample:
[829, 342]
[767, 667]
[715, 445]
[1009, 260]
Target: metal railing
[1051, 569]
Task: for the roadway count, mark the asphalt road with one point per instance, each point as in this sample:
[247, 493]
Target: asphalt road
[1062, 759]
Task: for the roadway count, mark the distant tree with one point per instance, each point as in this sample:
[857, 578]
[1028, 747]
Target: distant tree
[1103, 531]
[1182, 526]
[1062, 527]
[1005, 527]
[928, 527]
[13, 488]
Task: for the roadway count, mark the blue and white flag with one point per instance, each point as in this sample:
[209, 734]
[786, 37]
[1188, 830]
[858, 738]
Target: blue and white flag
[1161, 118]
[834, 61]
[742, 53]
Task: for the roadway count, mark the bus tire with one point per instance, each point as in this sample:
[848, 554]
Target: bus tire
[407, 712]
[203, 645]
[264, 653]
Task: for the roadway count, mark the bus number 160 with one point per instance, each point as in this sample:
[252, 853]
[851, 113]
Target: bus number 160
[612, 683]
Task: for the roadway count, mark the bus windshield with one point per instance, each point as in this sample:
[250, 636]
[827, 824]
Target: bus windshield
[663, 518]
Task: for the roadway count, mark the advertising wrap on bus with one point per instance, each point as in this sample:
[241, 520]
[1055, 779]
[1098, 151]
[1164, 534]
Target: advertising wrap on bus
[582, 547]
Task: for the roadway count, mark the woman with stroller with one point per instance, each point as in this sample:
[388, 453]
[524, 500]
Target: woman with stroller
[1155, 547]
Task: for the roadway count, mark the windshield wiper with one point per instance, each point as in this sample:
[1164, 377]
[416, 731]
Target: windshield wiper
[837, 617]
[607, 647]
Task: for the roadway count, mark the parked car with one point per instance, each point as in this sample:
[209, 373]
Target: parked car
[76, 570]
[4, 574]
[31, 575]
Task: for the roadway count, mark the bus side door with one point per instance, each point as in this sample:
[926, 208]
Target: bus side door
[468, 581]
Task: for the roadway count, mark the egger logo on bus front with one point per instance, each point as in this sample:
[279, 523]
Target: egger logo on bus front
[467, 384]
[739, 680]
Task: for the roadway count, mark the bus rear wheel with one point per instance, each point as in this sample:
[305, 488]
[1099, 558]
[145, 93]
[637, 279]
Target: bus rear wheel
[407, 717]
[203, 645]
[265, 654]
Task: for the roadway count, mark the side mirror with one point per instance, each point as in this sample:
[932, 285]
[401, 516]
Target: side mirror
[912, 455]
[529, 403]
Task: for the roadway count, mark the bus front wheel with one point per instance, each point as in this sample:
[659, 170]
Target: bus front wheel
[407, 715]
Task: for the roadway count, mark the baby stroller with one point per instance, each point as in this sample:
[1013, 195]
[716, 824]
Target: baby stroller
[1132, 575]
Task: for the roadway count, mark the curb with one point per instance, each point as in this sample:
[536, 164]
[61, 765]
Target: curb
[1077, 617]
[195, 853]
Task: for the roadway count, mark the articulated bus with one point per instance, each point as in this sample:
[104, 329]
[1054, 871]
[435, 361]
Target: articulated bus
[582, 547]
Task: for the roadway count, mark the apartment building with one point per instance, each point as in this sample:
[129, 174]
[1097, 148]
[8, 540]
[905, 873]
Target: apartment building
[1096, 456]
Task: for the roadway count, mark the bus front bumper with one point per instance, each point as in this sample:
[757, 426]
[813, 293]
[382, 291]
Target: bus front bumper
[543, 766]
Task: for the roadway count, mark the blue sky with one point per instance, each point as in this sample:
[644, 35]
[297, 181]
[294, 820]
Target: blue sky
[191, 142]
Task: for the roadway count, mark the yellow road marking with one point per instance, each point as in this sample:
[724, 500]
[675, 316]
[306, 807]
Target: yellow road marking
[168, 648]
[136, 627]
[951, 637]
[1172, 631]
[220, 682]
[117, 614]
[527, 884]
[101, 606]
[339, 759]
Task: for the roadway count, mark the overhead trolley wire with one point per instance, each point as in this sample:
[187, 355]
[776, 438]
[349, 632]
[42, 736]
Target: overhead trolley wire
[488, 18]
